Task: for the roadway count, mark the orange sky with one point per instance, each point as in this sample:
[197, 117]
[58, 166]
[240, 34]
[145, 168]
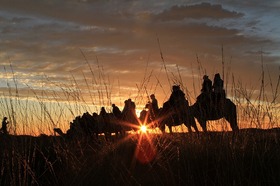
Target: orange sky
[100, 52]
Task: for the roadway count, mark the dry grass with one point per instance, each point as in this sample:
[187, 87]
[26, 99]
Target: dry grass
[217, 158]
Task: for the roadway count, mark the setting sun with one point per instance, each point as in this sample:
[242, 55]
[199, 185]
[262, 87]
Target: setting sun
[143, 128]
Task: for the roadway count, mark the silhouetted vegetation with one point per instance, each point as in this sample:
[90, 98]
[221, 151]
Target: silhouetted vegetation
[251, 157]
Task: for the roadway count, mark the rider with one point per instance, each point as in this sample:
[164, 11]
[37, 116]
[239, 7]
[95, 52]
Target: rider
[129, 111]
[116, 111]
[153, 108]
[178, 103]
[206, 85]
[103, 112]
[206, 91]
[176, 96]
[129, 106]
[218, 87]
[154, 104]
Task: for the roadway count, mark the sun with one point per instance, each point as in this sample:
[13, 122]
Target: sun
[143, 128]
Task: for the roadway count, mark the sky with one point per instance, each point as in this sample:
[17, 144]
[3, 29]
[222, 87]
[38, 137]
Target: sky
[100, 52]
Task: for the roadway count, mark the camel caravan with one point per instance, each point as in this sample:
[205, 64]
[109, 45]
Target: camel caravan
[211, 104]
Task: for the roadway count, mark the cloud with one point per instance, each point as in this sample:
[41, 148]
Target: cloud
[197, 11]
[104, 52]
[121, 36]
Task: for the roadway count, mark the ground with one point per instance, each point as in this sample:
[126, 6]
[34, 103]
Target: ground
[249, 157]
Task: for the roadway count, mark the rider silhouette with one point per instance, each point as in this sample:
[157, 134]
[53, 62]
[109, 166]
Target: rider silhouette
[178, 104]
[154, 104]
[129, 111]
[129, 106]
[206, 85]
[176, 96]
[103, 112]
[206, 91]
[116, 111]
[218, 87]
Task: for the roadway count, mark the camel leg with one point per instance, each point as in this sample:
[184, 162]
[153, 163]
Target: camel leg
[162, 128]
[231, 118]
[122, 132]
[189, 128]
[203, 125]
[231, 115]
[170, 129]
[108, 136]
[233, 123]
[195, 128]
[193, 124]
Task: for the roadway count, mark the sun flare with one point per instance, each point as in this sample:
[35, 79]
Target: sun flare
[143, 128]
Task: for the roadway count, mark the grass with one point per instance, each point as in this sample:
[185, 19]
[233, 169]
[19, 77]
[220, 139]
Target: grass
[217, 158]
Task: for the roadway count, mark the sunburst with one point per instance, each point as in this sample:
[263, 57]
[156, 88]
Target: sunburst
[143, 129]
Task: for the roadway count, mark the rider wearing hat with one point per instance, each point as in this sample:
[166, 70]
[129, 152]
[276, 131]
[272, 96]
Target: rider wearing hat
[206, 85]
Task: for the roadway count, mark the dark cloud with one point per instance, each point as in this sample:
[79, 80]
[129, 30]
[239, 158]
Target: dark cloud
[198, 11]
[47, 37]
